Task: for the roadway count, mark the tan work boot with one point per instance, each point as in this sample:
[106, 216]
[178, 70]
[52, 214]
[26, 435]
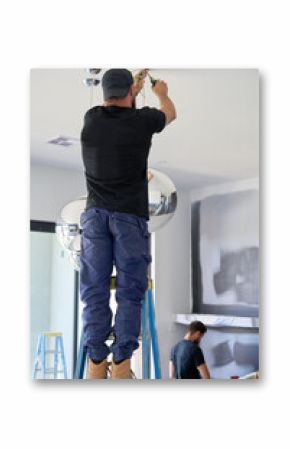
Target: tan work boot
[97, 370]
[122, 370]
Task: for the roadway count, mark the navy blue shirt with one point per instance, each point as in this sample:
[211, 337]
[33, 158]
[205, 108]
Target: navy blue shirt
[115, 147]
[186, 357]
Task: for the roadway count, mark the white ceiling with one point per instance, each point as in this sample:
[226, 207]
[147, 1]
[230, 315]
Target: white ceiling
[213, 140]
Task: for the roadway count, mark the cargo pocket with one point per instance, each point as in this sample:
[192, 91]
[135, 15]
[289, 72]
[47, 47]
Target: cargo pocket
[144, 228]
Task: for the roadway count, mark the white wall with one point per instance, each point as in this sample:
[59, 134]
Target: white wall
[51, 188]
[228, 187]
[40, 275]
[172, 277]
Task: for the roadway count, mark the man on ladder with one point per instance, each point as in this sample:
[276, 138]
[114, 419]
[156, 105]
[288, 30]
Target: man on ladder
[116, 139]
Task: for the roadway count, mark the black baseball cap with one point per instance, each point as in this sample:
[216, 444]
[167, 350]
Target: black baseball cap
[116, 83]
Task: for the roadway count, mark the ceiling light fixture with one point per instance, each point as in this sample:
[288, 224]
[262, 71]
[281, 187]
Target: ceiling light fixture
[93, 71]
[91, 82]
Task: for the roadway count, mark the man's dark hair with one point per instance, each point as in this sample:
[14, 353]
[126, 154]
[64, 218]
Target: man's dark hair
[196, 326]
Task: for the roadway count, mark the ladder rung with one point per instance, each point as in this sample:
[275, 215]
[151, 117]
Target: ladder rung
[52, 351]
[49, 370]
[51, 334]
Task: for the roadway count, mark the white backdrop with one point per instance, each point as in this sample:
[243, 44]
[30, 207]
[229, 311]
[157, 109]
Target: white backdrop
[247, 33]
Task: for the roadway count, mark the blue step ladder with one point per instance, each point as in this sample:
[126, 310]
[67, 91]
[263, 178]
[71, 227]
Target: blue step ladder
[40, 360]
[148, 336]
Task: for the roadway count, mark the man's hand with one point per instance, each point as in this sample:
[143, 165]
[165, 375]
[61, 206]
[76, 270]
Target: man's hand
[149, 175]
[160, 88]
[137, 85]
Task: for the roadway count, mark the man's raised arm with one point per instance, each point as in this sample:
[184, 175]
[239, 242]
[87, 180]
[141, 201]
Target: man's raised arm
[160, 89]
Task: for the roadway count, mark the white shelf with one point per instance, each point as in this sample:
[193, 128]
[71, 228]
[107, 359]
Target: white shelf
[219, 320]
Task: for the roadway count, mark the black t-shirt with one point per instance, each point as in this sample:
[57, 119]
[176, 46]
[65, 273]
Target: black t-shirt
[186, 357]
[115, 147]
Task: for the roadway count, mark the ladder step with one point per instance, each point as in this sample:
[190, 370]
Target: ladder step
[52, 351]
[51, 334]
[49, 370]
